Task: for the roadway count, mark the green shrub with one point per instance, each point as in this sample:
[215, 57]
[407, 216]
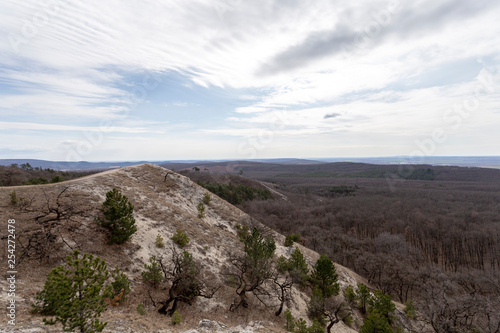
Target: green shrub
[290, 239]
[316, 306]
[324, 276]
[13, 198]
[316, 327]
[72, 295]
[348, 320]
[36, 181]
[243, 232]
[153, 274]
[410, 309]
[117, 217]
[207, 198]
[201, 210]
[296, 265]
[382, 303]
[289, 323]
[376, 323]
[57, 179]
[282, 264]
[301, 326]
[141, 309]
[363, 296]
[120, 281]
[343, 190]
[349, 294]
[180, 238]
[236, 194]
[159, 241]
[176, 318]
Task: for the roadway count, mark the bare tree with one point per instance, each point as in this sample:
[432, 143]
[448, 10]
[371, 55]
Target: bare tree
[283, 287]
[336, 310]
[186, 282]
[52, 217]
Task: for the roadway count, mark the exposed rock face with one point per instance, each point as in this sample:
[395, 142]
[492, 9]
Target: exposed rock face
[212, 326]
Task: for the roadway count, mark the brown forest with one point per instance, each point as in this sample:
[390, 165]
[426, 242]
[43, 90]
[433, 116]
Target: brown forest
[429, 234]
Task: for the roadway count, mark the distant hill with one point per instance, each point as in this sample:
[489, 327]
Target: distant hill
[69, 166]
[274, 171]
[465, 161]
[83, 165]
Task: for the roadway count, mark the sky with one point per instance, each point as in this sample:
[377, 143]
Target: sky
[248, 79]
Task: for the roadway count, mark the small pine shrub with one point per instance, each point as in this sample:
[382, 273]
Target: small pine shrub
[72, 294]
[289, 324]
[296, 265]
[376, 322]
[141, 309]
[207, 198]
[13, 198]
[290, 239]
[349, 294]
[57, 179]
[176, 318]
[180, 238]
[117, 217]
[242, 231]
[316, 305]
[410, 309]
[120, 281]
[201, 210]
[282, 264]
[301, 326]
[316, 327]
[159, 241]
[36, 181]
[348, 320]
[382, 303]
[153, 274]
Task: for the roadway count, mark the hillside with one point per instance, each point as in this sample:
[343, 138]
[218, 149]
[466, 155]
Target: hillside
[328, 172]
[164, 201]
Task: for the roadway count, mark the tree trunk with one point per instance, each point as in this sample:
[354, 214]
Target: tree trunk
[166, 304]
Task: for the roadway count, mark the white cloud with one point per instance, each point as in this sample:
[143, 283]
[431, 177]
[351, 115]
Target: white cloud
[68, 63]
[106, 128]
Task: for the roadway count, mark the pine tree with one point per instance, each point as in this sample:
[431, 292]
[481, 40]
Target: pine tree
[298, 267]
[376, 323]
[363, 296]
[254, 268]
[382, 304]
[117, 217]
[73, 295]
[325, 277]
[316, 306]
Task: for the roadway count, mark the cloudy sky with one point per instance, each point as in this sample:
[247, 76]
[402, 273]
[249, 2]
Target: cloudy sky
[241, 79]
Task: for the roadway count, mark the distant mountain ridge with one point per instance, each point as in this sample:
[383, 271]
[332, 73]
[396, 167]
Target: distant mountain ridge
[84, 165]
[463, 161]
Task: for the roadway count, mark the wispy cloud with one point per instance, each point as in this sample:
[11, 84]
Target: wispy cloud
[54, 127]
[340, 72]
